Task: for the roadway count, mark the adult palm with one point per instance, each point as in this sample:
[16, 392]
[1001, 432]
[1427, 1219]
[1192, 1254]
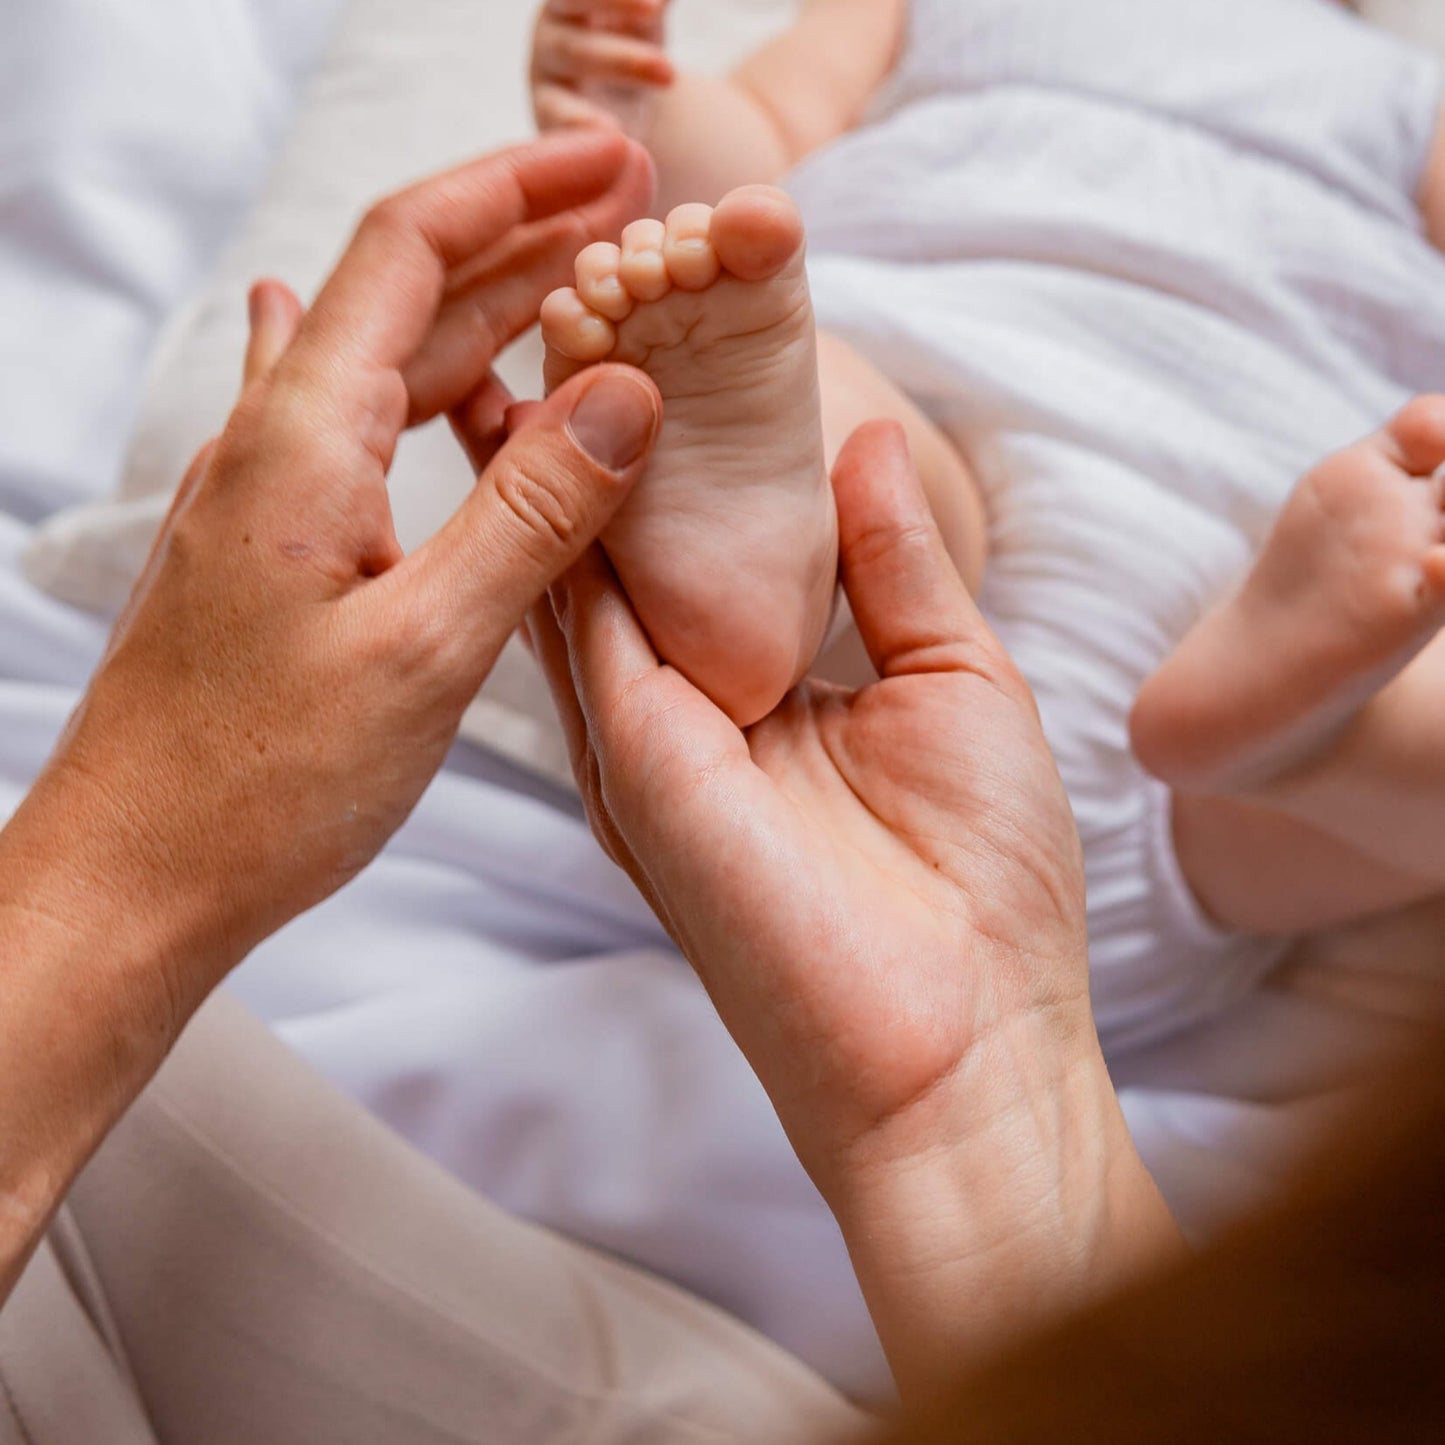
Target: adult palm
[882, 890]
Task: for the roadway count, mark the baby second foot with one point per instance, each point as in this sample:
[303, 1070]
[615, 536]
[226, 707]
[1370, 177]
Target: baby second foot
[1348, 591]
[728, 547]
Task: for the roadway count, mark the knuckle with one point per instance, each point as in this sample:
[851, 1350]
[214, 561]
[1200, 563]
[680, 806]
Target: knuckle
[416, 645]
[290, 423]
[376, 414]
[185, 543]
[539, 503]
[249, 420]
[390, 216]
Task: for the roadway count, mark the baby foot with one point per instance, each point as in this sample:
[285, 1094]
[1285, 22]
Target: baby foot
[728, 547]
[1348, 591]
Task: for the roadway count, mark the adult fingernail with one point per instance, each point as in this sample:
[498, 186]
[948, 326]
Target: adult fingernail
[615, 420]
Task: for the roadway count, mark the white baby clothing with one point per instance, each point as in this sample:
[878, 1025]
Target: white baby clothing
[1147, 262]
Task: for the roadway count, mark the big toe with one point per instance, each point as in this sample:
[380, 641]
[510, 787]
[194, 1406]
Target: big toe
[756, 232]
[1418, 433]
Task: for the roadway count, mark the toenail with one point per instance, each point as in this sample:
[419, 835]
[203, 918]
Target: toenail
[594, 329]
[615, 421]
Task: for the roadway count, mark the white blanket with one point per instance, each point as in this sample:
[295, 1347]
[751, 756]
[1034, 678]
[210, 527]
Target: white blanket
[1146, 275]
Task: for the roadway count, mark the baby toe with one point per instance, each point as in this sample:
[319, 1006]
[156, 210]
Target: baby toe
[642, 268]
[599, 283]
[572, 329]
[756, 231]
[691, 260]
[1418, 434]
[1434, 570]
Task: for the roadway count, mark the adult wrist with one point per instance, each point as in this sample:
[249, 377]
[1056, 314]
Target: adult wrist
[1017, 1196]
[93, 903]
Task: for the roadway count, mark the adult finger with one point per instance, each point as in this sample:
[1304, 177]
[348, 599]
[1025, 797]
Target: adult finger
[549, 648]
[649, 738]
[607, 650]
[912, 610]
[547, 494]
[479, 421]
[380, 303]
[489, 304]
[602, 641]
[644, 16]
[275, 316]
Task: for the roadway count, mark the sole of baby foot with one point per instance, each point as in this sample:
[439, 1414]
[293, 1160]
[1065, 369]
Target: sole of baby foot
[728, 546]
[1349, 589]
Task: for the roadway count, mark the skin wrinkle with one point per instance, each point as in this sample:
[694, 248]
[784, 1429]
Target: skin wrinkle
[384, 407]
[1023, 848]
[734, 340]
[532, 499]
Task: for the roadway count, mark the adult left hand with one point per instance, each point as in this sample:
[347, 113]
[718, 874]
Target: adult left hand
[883, 893]
[286, 682]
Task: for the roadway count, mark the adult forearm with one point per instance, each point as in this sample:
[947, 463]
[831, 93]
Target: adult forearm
[89, 1006]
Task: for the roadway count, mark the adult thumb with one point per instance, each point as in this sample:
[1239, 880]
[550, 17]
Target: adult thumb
[539, 504]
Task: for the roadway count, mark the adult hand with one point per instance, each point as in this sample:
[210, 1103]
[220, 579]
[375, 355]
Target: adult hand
[286, 682]
[883, 893]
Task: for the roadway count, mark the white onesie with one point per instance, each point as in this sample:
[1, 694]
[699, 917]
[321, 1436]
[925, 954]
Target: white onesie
[1146, 261]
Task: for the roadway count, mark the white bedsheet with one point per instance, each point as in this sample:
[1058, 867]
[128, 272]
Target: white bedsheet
[492, 986]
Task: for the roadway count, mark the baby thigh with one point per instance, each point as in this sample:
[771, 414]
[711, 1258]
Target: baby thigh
[854, 391]
[1432, 188]
[1257, 870]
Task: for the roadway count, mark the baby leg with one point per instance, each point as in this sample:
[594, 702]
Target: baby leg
[1305, 707]
[1349, 590]
[854, 392]
[1256, 870]
[1381, 787]
[1432, 190]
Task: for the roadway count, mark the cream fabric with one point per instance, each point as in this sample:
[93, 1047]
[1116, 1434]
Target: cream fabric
[253, 1258]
